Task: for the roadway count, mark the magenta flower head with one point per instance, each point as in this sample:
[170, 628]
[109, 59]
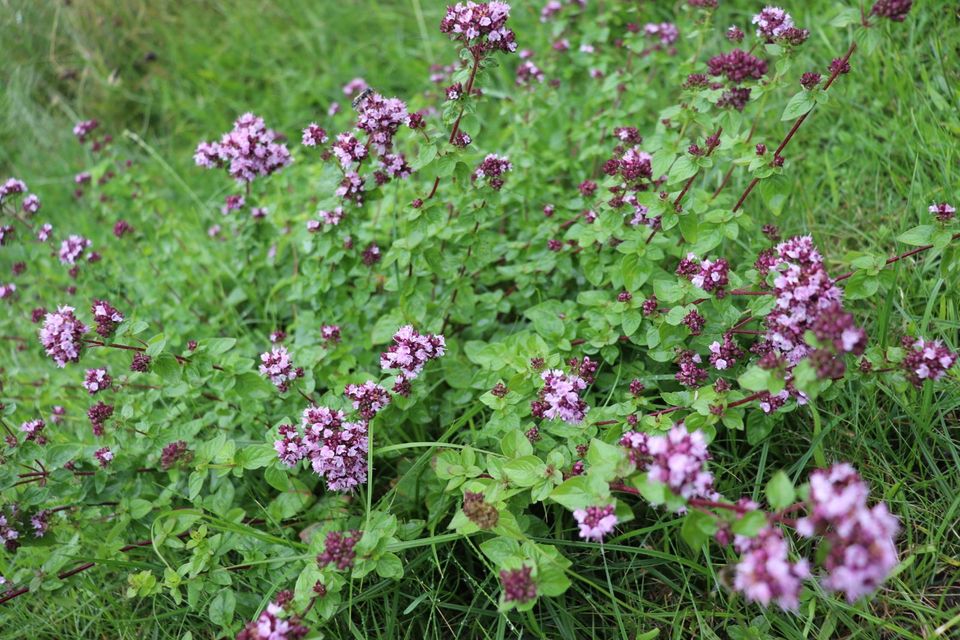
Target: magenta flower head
[289, 447]
[314, 136]
[560, 399]
[772, 22]
[517, 584]
[480, 26]
[926, 360]
[666, 32]
[6, 232]
[355, 86]
[380, 118]
[273, 624]
[411, 351]
[7, 290]
[62, 336]
[595, 522]
[103, 456]
[737, 66]
[106, 317]
[678, 459]
[528, 73]
[34, 431]
[895, 10]
[97, 380]
[277, 365]
[368, 398]
[249, 151]
[84, 128]
[338, 549]
[72, 249]
[30, 204]
[860, 540]
[944, 212]
[337, 449]
[492, 169]
[765, 574]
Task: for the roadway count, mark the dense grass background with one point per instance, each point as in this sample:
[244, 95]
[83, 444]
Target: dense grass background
[174, 72]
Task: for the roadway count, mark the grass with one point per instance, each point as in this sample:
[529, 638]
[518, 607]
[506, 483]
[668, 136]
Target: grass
[865, 168]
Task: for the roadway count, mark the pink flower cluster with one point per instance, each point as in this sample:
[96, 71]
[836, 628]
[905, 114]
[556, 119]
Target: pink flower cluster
[348, 149]
[34, 431]
[337, 449]
[62, 336]
[518, 584]
[249, 151]
[481, 26]
[528, 71]
[330, 218]
[97, 380]
[8, 535]
[772, 22]
[765, 573]
[72, 248]
[368, 398]
[666, 32]
[944, 211]
[410, 352]
[270, 625]
[677, 459]
[595, 522]
[926, 360]
[724, 355]
[313, 136]
[708, 275]
[492, 169]
[338, 549]
[7, 290]
[103, 456]
[560, 398]
[861, 551]
[277, 365]
[84, 128]
[381, 118]
[106, 317]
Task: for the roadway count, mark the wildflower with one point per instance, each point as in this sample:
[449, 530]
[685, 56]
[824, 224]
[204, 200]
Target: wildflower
[72, 248]
[7, 290]
[724, 355]
[478, 511]
[666, 32]
[62, 336]
[926, 359]
[338, 549]
[492, 169]
[8, 535]
[624, 296]
[839, 67]
[43, 234]
[30, 204]
[97, 380]
[678, 460]
[735, 34]
[595, 522]
[313, 136]
[368, 398]
[106, 317]
[259, 213]
[289, 447]
[462, 139]
[103, 456]
[174, 453]
[895, 10]
[12, 186]
[98, 415]
[836, 327]
[270, 625]
[528, 72]
[330, 334]
[351, 188]
[560, 398]
[499, 390]
[277, 365]
[380, 118]
[371, 255]
[121, 228]
[39, 522]
[480, 26]
[518, 585]
[772, 22]
[695, 322]
[57, 414]
[737, 66]
[765, 573]
[809, 80]
[337, 449]
[84, 128]
[650, 306]
[736, 98]
[411, 351]
[861, 551]
[549, 10]
[249, 151]
[233, 202]
[943, 211]
[34, 431]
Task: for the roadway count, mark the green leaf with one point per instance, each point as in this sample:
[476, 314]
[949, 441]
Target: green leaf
[917, 236]
[780, 492]
[515, 444]
[525, 471]
[750, 524]
[755, 379]
[218, 346]
[390, 566]
[798, 105]
[574, 493]
[222, 607]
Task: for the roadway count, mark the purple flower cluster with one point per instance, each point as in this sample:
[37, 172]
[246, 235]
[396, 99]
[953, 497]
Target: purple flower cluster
[677, 459]
[11, 187]
[861, 551]
[98, 415]
[8, 535]
[690, 373]
[338, 549]
[44, 233]
[84, 128]
[271, 626]
[765, 573]
[330, 333]
[944, 211]
[173, 453]
[277, 365]
[926, 360]
[895, 10]
[381, 118]
[7, 290]
[314, 136]
[481, 26]
[666, 32]
[34, 431]
[410, 352]
[737, 66]
[772, 22]
[368, 398]
[337, 449]
[97, 380]
[595, 522]
[72, 248]
[724, 355]
[528, 72]
[518, 585]
[709, 275]
[103, 456]
[106, 317]
[62, 336]
[560, 397]
[492, 169]
[40, 522]
[249, 151]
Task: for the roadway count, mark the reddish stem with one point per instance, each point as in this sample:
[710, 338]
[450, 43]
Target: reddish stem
[890, 261]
